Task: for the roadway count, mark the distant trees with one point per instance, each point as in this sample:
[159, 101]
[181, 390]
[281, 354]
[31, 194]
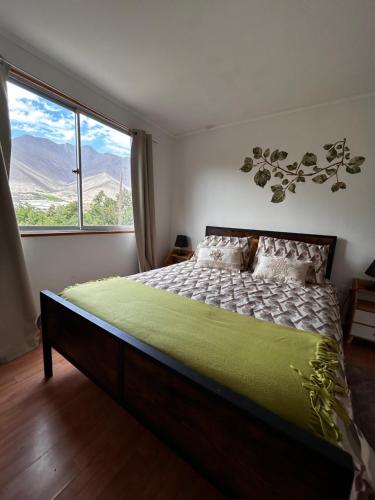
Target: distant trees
[103, 211]
[65, 215]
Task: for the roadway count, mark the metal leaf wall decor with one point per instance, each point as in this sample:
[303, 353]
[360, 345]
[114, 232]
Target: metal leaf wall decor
[286, 176]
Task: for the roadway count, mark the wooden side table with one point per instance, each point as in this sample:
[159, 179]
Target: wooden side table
[362, 300]
[174, 257]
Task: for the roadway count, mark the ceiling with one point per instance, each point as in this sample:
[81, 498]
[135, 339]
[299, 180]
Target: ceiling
[194, 64]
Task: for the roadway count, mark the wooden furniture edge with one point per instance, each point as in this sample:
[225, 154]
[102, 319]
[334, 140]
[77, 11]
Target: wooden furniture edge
[363, 286]
[44, 233]
[169, 259]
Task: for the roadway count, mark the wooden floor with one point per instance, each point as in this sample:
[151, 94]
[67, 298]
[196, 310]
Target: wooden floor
[66, 439]
[360, 353]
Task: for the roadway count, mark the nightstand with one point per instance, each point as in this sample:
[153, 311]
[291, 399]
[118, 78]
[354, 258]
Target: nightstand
[361, 318]
[174, 257]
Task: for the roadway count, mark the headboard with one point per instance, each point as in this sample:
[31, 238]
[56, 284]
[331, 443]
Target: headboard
[317, 239]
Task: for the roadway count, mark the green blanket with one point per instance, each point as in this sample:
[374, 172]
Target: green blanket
[290, 372]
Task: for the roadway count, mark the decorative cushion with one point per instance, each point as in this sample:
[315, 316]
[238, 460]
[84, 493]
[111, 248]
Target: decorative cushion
[220, 258]
[298, 251]
[282, 269]
[227, 242]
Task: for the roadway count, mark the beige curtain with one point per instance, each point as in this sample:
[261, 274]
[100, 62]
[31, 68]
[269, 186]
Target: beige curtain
[18, 332]
[143, 199]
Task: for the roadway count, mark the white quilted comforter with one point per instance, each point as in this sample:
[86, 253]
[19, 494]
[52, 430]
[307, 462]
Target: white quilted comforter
[311, 308]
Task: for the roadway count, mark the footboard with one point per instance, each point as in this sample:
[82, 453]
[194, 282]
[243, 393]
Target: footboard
[243, 448]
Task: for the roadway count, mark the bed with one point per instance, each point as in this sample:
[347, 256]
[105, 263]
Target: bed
[247, 450]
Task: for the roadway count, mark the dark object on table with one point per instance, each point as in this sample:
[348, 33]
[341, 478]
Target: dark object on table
[181, 242]
[371, 272]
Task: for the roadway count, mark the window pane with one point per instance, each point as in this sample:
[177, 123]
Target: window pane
[106, 183]
[44, 189]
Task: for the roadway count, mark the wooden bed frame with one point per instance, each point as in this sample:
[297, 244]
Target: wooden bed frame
[240, 446]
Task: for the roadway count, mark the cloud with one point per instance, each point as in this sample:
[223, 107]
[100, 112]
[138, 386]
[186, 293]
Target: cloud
[38, 116]
[35, 115]
[104, 138]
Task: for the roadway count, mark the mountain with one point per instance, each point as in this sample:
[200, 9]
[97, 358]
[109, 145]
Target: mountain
[41, 172]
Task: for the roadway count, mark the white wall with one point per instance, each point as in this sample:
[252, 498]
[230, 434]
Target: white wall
[57, 261]
[209, 189]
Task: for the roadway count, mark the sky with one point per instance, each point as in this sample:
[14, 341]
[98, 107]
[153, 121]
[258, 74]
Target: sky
[31, 114]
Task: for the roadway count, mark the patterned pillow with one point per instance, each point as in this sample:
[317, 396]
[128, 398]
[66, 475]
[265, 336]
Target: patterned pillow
[227, 242]
[282, 269]
[296, 250]
[220, 258]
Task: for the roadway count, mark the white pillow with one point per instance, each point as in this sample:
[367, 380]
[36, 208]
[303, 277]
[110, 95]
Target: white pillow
[282, 269]
[220, 258]
[296, 250]
[227, 242]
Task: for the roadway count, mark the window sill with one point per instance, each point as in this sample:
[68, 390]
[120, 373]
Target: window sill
[54, 232]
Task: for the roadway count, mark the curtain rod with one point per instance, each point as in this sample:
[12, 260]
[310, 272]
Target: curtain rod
[16, 71]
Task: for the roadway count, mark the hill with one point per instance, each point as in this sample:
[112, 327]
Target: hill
[41, 172]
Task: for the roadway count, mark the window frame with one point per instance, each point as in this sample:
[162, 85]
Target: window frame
[47, 92]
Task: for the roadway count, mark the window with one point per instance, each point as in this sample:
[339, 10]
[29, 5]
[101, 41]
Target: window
[68, 170]
[106, 184]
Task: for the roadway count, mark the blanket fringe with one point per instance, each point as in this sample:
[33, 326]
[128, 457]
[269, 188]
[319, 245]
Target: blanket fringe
[61, 294]
[324, 386]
